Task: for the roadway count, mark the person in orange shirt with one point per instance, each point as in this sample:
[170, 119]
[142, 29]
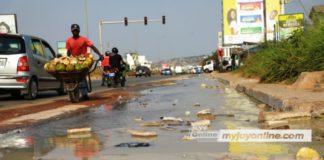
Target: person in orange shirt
[78, 45]
[105, 66]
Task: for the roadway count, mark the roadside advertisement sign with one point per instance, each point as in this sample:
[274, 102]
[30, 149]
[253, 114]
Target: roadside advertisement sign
[8, 23]
[290, 22]
[243, 20]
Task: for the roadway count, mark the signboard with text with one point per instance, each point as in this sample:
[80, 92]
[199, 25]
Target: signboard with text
[289, 23]
[243, 20]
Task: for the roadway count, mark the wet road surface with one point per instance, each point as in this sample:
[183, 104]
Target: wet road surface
[110, 124]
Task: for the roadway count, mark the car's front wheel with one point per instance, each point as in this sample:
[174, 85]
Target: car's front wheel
[32, 90]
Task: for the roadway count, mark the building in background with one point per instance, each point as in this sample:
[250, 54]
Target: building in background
[134, 60]
[317, 14]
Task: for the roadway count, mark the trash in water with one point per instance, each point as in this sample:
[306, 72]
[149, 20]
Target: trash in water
[187, 113]
[186, 138]
[168, 128]
[203, 85]
[200, 123]
[224, 115]
[138, 119]
[206, 114]
[196, 104]
[133, 144]
[142, 134]
[171, 119]
[78, 130]
[175, 102]
[306, 153]
[152, 124]
[277, 124]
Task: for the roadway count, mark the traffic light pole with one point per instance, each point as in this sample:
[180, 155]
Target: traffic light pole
[101, 23]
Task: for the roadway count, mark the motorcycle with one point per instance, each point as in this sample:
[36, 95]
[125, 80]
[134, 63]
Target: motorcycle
[113, 76]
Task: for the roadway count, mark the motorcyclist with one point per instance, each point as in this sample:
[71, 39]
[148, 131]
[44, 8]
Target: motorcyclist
[105, 65]
[116, 61]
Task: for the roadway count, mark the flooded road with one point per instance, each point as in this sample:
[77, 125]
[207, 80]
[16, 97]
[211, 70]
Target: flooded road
[110, 125]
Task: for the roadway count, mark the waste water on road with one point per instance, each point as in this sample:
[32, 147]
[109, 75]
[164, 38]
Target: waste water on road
[156, 123]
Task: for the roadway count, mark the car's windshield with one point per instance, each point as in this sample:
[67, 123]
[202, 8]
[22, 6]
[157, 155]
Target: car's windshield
[11, 45]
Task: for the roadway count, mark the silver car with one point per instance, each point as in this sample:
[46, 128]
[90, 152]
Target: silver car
[22, 58]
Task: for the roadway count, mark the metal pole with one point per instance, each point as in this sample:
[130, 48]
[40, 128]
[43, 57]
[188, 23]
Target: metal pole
[282, 10]
[100, 36]
[86, 16]
[265, 19]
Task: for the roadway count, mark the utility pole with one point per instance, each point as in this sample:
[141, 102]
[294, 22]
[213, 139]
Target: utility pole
[86, 17]
[265, 20]
[126, 22]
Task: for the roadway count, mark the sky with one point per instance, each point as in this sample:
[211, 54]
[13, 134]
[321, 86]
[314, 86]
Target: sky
[191, 25]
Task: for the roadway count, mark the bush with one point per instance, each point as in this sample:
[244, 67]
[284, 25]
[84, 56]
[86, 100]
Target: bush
[285, 60]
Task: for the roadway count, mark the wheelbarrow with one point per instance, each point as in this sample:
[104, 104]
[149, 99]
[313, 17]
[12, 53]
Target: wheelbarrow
[71, 81]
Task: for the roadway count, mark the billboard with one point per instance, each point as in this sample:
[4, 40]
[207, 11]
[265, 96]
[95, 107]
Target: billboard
[243, 20]
[290, 22]
[8, 23]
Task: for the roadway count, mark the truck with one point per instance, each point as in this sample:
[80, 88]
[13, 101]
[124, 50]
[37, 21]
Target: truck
[209, 66]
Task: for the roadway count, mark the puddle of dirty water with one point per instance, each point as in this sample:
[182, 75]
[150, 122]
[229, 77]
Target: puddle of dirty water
[110, 124]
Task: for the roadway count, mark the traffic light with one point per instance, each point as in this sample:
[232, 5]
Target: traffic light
[125, 21]
[163, 19]
[145, 20]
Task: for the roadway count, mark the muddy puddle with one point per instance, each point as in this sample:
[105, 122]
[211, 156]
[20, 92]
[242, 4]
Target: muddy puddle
[110, 125]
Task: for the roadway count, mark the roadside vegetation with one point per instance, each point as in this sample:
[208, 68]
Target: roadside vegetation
[285, 60]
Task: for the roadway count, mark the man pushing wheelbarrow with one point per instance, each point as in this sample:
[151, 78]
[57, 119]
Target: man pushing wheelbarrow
[74, 68]
[78, 45]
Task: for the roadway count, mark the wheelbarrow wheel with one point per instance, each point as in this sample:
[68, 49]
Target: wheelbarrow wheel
[74, 96]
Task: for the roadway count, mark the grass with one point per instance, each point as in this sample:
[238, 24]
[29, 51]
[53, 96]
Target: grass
[287, 59]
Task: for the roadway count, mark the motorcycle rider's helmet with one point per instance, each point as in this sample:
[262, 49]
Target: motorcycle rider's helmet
[114, 50]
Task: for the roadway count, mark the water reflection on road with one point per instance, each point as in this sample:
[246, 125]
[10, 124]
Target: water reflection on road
[110, 124]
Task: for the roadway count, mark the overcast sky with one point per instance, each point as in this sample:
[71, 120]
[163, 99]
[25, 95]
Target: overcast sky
[191, 27]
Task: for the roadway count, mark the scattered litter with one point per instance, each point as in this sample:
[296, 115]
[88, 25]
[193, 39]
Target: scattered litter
[185, 131]
[133, 144]
[168, 128]
[175, 102]
[187, 113]
[138, 119]
[200, 123]
[307, 153]
[152, 124]
[225, 115]
[203, 85]
[277, 124]
[142, 134]
[171, 119]
[206, 114]
[197, 104]
[78, 130]
[186, 138]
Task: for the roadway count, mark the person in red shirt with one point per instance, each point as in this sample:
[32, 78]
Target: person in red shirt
[105, 66]
[78, 45]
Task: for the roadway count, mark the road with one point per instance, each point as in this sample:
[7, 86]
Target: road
[110, 126]
[7, 101]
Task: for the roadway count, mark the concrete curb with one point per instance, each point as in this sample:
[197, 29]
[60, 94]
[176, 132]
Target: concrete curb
[290, 102]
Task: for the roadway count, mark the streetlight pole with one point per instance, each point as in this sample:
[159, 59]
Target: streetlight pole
[86, 17]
